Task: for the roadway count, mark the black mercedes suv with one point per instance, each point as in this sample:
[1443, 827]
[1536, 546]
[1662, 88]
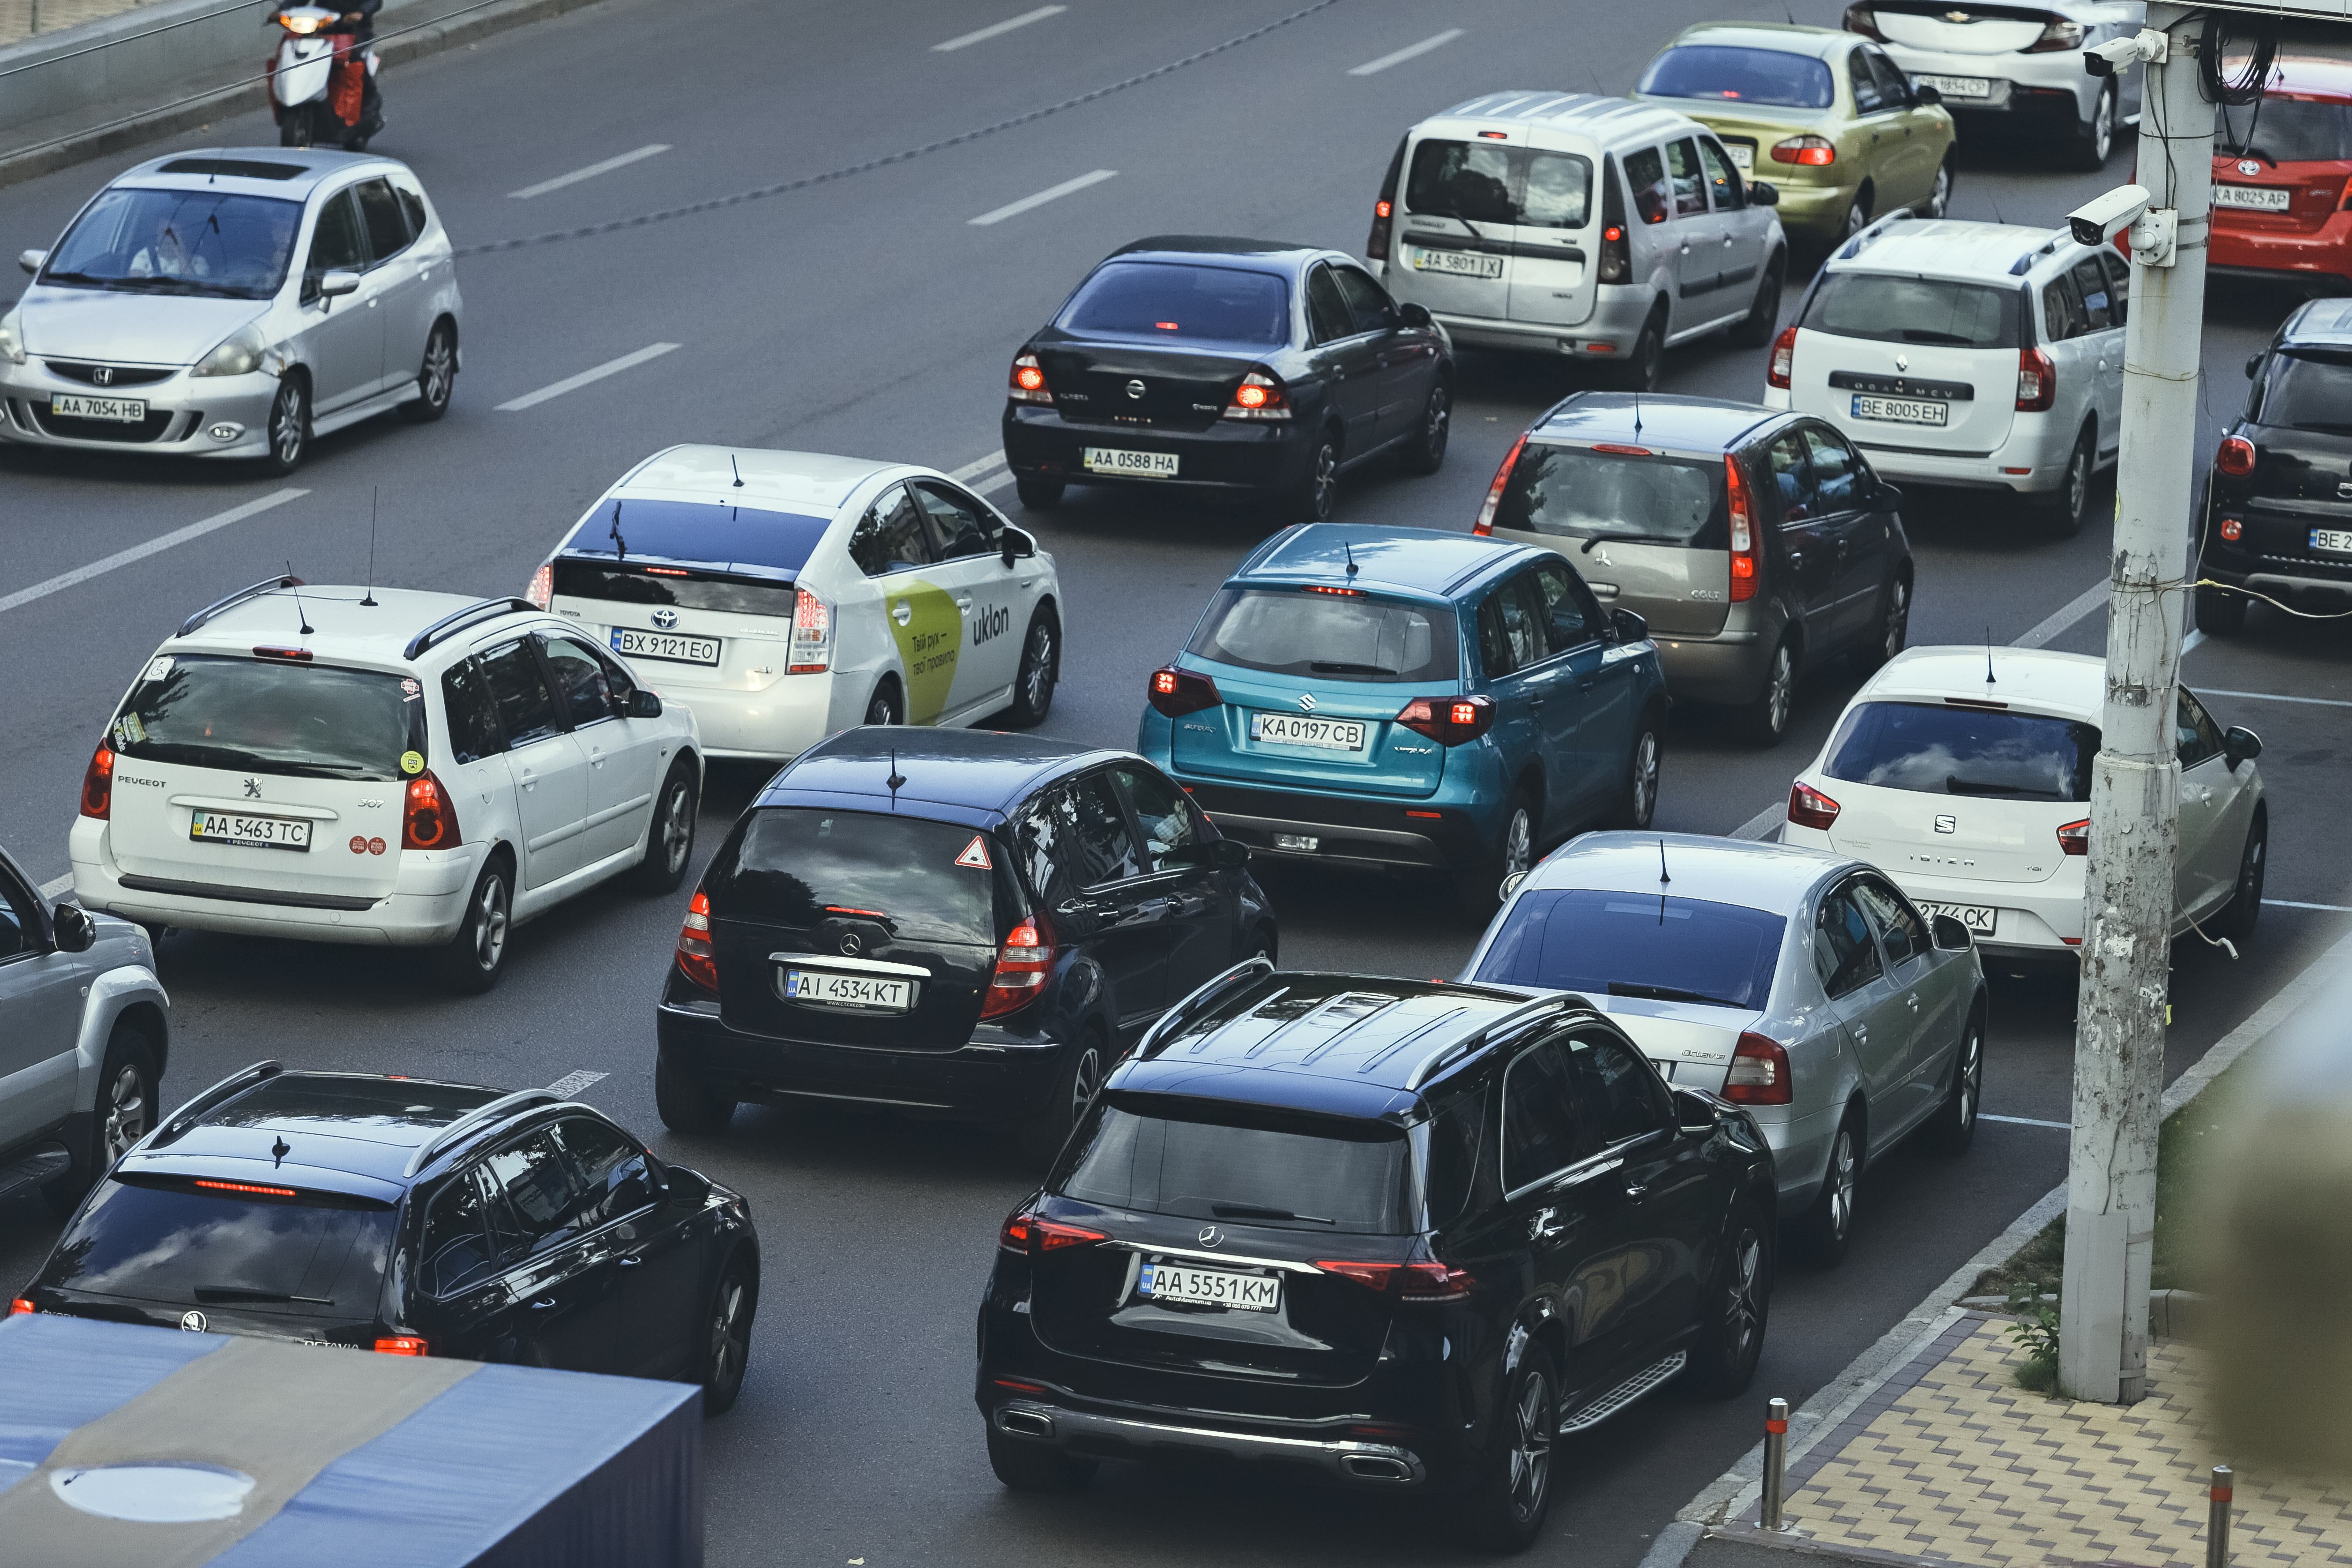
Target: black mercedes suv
[361, 1212]
[1401, 1233]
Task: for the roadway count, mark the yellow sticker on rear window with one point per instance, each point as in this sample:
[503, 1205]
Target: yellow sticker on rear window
[412, 762]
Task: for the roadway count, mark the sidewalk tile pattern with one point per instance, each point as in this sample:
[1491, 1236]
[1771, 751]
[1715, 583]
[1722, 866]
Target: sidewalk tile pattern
[21, 19]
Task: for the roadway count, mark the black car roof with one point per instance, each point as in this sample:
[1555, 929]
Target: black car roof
[1195, 247]
[961, 771]
[1712, 424]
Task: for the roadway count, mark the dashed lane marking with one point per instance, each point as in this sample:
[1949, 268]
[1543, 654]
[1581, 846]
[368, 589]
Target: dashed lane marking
[575, 383]
[1050, 193]
[161, 541]
[2025, 1121]
[569, 1086]
[1411, 51]
[997, 29]
[590, 172]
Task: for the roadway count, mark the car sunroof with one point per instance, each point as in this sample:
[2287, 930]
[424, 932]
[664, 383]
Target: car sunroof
[234, 168]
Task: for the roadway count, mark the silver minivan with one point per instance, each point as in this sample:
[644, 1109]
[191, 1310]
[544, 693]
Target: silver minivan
[1595, 227]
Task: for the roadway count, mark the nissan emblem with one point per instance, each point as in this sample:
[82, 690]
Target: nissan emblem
[1135, 389]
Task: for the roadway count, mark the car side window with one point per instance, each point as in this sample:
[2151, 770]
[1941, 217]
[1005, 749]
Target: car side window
[960, 526]
[580, 679]
[412, 206]
[2118, 272]
[1171, 830]
[2195, 736]
[1494, 650]
[1837, 470]
[2091, 281]
[1539, 1123]
[1722, 176]
[1904, 934]
[380, 214]
[892, 536]
[337, 245]
[1105, 849]
[1456, 1132]
[1867, 98]
[1326, 308]
[1792, 476]
[1044, 835]
[1645, 172]
[473, 719]
[2062, 306]
[20, 920]
[1620, 1096]
[1572, 615]
[531, 1175]
[526, 707]
[1690, 180]
[1517, 609]
[617, 679]
[454, 1251]
[1844, 956]
[1368, 303]
[615, 1178]
[1894, 90]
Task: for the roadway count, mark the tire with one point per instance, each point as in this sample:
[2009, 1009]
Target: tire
[436, 377]
[1643, 367]
[1075, 1081]
[1427, 455]
[2066, 507]
[1036, 494]
[1857, 214]
[1314, 496]
[125, 1113]
[1954, 1125]
[669, 837]
[1765, 718]
[1738, 1302]
[1041, 669]
[2094, 138]
[1763, 318]
[1939, 195]
[1894, 629]
[885, 706]
[1511, 1492]
[1262, 944]
[2220, 614]
[2238, 918]
[474, 959]
[726, 1337]
[1480, 888]
[686, 1103]
[1829, 1223]
[288, 428]
[294, 131]
[1023, 1465]
[1637, 802]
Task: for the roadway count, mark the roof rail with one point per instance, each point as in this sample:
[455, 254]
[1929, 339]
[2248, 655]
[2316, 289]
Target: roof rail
[474, 1120]
[1534, 1012]
[1855, 247]
[480, 610]
[220, 606]
[193, 1110]
[1257, 963]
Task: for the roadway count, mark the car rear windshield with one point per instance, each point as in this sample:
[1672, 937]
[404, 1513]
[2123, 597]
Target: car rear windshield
[1349, 636]
[1211, 1161]
[165, 1240]
[178, 242]
[2304, 391]
[670, 586]
[796, 865]
[2286, 131]
[1485, 181]
[1581, 493]
[1938, 749]
[1170, 302]
[273, 716]
[1662, 947]
[1914, 310]
[1744, 76]
[703, 533]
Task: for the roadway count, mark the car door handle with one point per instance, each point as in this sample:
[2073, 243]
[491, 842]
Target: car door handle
[901, 613]
[529, 779]
[544, 1304]
[1913, 1000]
[632, 1261]
[1588, 682]
[963, 607]
[1862, 1033]
[1535, 700]
[1636, 1191]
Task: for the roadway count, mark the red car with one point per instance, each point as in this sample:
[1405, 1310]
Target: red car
[2280, 167]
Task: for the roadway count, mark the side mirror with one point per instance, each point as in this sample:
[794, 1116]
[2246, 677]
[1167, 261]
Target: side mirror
[76, 931]
[1696, 1112]
[1413, 315]
[2239, 744]
[1926, 96]
[644, 704]
[1511, 884]
[1630, 626]
[1228, 854]
[1764, 192]
[1890, 496]
[1015, 546]
[334, 285]
[2253, 362]
[1950, 934]
[30, 260]
[688, 1187]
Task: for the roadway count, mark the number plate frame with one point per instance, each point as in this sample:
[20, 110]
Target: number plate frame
[877, 994]
[1318, 734]
[1903, 411]
[1190, 1285]
[1474, 263]
[1968, 87]
[110, 410]
[2339, 540]
[1980, 920]
[1130, 464]
[2253, 198]
[631, 642]
[296, 836]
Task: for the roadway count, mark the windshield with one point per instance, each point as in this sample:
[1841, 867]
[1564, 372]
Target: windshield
[800, 865]
[1747, 75]
[272, 716]
[2305, 392]
[2286, 131]
[1483, 182]
[1914, 310]
[1637, 944]
[179, 242]
[1965, 750]
[1583, 494]
[1347, 635]
[709, 533]
[148, 1239]
[1236, 1164]
[1166, 301]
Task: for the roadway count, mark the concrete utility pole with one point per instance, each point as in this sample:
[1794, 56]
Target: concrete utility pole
[2135, 789]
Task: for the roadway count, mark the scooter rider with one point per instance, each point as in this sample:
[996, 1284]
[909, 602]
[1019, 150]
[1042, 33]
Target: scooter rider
[358, 20]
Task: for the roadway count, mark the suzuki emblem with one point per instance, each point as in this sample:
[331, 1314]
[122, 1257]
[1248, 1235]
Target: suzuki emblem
[851, 946]
[1948, 824]
[1210, 1235]
[193, 1321]
[1958, 18]
[1307, 700]
[1135, 389]
[665, 619]
[2248, 166]
[252, 789]
[102, 376]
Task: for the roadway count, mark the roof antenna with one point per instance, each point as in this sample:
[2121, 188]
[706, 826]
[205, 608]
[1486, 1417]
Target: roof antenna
[1351, 557]
[622, 544]
[1637, 415]
[738, 470]
[1996, 207]
[1989, 656]
[1662, 877]
[1786, 12]
[374, 495]
[299, 613]
[897, 781]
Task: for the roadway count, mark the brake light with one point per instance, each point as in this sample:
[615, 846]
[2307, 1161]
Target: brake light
[2235, 457]
[812, 634]
[299, 655]
[98, 784]
[542, 585]
[1859, 19]
[403, 1345]
[1259, 397]
[1027, 382]
[2058, 34]
[2037, 382]
[2232, 529]
[1616, 255]
[2074, 838]
[1495, 492]
[1746, 548]
[243, 1187]
[18, 1307]
[695, 960]
[1809, 807]
[1784, 358]
[1023, 965]
[1175, 692]
[1449, 721]
[1027, 1234]
[430, 821]
[1376, 249]
[1759, 1073]
[1422, 1281]
[1813, 152]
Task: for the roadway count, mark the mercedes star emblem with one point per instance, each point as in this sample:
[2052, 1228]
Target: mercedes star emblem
[1135, 389]
[665, 619]
[1307, 700]
[1210, 1236]
[193, 1321]
[2248, 166]
[851, 945]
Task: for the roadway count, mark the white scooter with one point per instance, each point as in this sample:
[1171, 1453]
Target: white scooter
[319, 81]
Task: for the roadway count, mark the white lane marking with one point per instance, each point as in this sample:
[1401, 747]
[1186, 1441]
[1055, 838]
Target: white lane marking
[2273, 697]
[2192, 642]
[590, 172]
[1763, 821]
[1409, 52]
[995, 482]
[2025, 1121]
[997, 29]
[1051, 193]
[575, 383]
[572, 1083]
[973, 470]
[161, 541]
[2081, 604]
[51, 888]
[2324, 908]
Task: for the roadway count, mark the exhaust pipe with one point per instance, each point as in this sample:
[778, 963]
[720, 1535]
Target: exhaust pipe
[1026, 1423]
[1376, 1468]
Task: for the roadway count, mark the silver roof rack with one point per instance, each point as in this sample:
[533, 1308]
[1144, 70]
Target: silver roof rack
[221, 607]
[1254, 966]
[192, 1111]
[1516, 1018]
[475, 1120]
[480, 610]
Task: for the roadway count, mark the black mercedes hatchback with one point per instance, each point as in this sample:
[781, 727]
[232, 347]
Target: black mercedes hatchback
[360, 1212]
[1400, 1233]
[957, 924]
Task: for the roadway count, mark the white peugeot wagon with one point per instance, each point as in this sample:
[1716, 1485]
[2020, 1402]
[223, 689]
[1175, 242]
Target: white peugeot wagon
[382, 766]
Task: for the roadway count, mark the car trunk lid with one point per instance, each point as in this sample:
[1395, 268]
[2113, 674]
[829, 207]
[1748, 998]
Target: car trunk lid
[1232, 739]
[1145, 386]
[1649, 530]
[684, 626]
[1889, 395]
[1691, 1042]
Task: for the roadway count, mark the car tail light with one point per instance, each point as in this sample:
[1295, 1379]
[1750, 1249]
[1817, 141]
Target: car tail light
[1759, 1073]
[1809, 807]
[2037, 382]
[2059, 33]
[1813, 152]
[1259, 397]
[1616, 251]
[542, 590]
[1023, 964]
[298, 654]
[1784, 358]
[1495, 492]
[430, 818]
[1027, 1234]
[1449, 721]
[1376, 249]
[1746, 542]
[18, 1307]
[1027, 381]
[403, 1345]
[1175, 692]
[812, 634]
[2235, 456]
[2074, 838]
[98, 784]
[1423, 1282]
[2232, 529]
[1861, 19]
[214, 1187]
[695, 960]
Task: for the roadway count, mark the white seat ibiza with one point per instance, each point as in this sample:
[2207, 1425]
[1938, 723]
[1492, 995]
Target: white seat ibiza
[382, 767]
[789, 596]
[1965, 774]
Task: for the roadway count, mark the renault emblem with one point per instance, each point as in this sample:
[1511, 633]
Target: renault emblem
[1903, 362]
[2248, 166]
[1948, 824]
[193, 1321]
[1135, 389]
[852, 944]
[1210, 1236]
[102, 376]
[665, 619]
[1307, 700]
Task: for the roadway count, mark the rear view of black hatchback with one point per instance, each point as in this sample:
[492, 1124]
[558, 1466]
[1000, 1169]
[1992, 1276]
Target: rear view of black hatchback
[1403, 1234]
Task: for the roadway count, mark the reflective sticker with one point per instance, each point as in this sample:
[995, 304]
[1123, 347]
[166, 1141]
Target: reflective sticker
[409, 685]
[929, 641]
[975, 854]
[375, 846]
[412, 762]
[358, 844]
[159, 666]
[129, 730]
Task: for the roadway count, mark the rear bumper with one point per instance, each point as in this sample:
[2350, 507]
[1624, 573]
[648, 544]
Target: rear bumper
[997, 1074]
[2031, 919]
[2030, 461]
[794, 713]
[2319, 258]
[1230, 455]
[2320, 586]
[1727, 667]
[1343, 829]
[1386, 1467]
[2020, 85]
[1619, 311]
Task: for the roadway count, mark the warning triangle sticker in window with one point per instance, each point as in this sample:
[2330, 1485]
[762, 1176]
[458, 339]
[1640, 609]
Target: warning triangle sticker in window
[975, 854]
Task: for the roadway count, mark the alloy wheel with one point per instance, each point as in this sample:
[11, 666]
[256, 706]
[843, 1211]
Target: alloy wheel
[126, 1113]
[677, 827]
[1037, 668]
[726, 1349]
[1971, 1084]
[490, 923]
[1519, 843]
[1857, 218]
[1898, 617]
[1086, 1078]
[1436, 425]
[2250, 870]
[883, 709]
[1325, 490]
[1646, 777]
[1743, 1307]
[2078, 482]
[286, 425]
[1780, 692]
[1939, 200]
[1531, 1445]
[1842, 1184]
[2103, 127]
[440, 373]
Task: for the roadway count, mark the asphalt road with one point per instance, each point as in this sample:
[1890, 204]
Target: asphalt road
[870, 315]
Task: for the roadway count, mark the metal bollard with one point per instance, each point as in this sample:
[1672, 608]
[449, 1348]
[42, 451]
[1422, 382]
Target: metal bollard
[1776, 1462]
[2217, 1521]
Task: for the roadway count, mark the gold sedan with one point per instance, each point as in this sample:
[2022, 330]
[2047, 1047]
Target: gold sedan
[1823, 115]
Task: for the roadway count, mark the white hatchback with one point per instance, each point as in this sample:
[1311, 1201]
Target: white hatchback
[1973, 795]
[416, 770]
[789, 596]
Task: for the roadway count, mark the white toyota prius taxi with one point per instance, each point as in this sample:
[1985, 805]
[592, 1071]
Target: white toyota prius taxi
[787, 595]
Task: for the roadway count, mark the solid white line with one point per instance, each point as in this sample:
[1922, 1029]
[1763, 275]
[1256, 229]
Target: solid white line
[1051, 193]
[1408, 52]
[590, 172]
[995, 482]
[161, 541]
[2081, 604]
[52, 887]
[973, 470]
[998, 29]
[2324, 908]
[2192, 642]
[2025, 1120]
[575, 383]
[572, 1083]
[2273, 697]
[1763, 821]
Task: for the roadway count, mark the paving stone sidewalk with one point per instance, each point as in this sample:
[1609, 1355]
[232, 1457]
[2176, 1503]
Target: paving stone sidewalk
[22, 19]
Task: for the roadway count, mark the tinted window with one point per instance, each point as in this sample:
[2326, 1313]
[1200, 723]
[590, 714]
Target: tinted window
[161, 1239]
[2306, 391]
[2062, 314]
[412, 206]
[892, 536]
[1837, 470]
[1867, 99]
[1893, 87]
[1171, 830]
[1510, 629]
[1452, 1141]
[1575, 492]
[268, 716]
[2118, 272]
[1792, 476]
[1645, 172]
[1637, 944]
[2195, 736]
[1914, 310]
[797, 864]
[1349, 637]
[1326, 308]
[456, 1250]
[2091, 281]
[20, 920]
[1722, 176]
[538, 1189]
[1366, 301]
[1557, 191]
[586, 696]
[336, 243]
[1902, 932]
[595, 579]
[204, 243]
[744, 539]
[2286, 131]
[1172, 302]
[1689, 180]
[1965, 750]
[1747, 75]
[960, 526]
[517, 687]
[1617, 1093]
[1844, 956]
[1540, 1131]
[1092, 839]
[1239, 1164]
[386, 225]
[1485, 182]
[1571, 617]
[473, 716]
[615, 1180]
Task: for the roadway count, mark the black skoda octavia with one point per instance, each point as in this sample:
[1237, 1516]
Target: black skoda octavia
[1401, 1233]
[416, 1219]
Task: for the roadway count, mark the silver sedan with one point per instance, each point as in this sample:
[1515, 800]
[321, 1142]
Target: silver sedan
[234, 303]
[1801, 986]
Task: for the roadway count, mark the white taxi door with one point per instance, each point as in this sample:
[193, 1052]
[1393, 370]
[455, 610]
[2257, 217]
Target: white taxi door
[992, 599]
[921, 629]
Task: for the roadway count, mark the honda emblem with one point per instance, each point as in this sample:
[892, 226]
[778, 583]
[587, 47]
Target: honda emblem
[102, 376]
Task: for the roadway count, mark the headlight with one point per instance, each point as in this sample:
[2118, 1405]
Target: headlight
[12, 348]
[240, 354]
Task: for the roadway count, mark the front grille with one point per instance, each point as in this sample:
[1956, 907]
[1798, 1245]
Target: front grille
[116, 374]
[152, 428]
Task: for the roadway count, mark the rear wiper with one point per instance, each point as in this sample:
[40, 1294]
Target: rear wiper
[1251, 1211]
[1457, 217]
[1955, 784]
[1668, 994]
[1341, 667]
[1613, 539]
[240, 1293]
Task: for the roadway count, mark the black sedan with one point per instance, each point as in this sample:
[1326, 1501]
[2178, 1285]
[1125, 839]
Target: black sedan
[1227, 365]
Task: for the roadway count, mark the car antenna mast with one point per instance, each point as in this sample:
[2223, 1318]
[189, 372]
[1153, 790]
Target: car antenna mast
[621, 552]
[739, 469]
[1988, 680]
[897, 781]
[1351, 551]
[375, 496]
[1663, 878]
[300, 615]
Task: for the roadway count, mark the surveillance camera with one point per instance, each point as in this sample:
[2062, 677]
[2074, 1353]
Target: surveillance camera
[2097, 221]
[2106, 59]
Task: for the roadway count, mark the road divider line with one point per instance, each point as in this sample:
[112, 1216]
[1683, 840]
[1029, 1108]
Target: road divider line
[2025, 1121]
[2273, 697]
[1050, 193]
[1761, 824]
[161, 541]
[973, 470]
[572, 1083]
[56, 885]
[995, 482]
[997, 29]
[2323, 909]
[2081, 604]
[590, 172]
[1410, 51]
[575, 383]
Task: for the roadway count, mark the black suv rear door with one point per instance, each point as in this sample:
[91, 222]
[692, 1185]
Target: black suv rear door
[562, 1279]
[1674, 1200]
[1086, 868]
[657, 1260]
[457, 1297]
[1174, 840]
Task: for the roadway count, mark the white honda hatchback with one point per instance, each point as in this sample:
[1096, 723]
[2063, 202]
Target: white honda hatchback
[382, 767]
[1965, 774]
